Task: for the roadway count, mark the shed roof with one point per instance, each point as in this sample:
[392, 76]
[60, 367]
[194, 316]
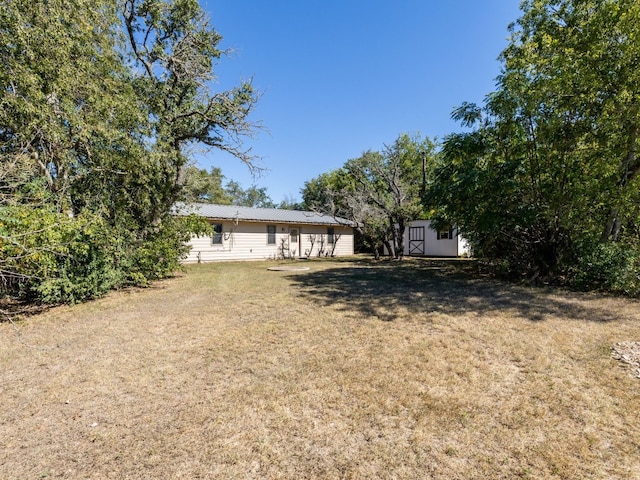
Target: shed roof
[249, 214]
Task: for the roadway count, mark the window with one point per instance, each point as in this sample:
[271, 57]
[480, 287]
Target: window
[294, 235]
[271, 234]
[331, 235]
[217, 237]
[445, 233]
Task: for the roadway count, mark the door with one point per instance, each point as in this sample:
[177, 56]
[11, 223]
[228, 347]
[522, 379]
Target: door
[416, 240]
[294, 242]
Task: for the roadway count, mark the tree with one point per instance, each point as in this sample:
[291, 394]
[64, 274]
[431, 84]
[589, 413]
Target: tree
[549, 174]
[583, 102]
[334, 193]
[397, 181]
[253, 196]
[65, 120]
[175, 47]
[99, 105]
[290, 203]
[204, 186]
[379, 190]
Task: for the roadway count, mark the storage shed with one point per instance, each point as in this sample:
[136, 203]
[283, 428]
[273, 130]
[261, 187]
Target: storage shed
[420, 239]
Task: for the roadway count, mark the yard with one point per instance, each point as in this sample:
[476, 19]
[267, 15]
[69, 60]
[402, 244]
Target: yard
[351, 369]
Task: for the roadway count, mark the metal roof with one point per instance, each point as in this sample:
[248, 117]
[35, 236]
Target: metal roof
[249, 214]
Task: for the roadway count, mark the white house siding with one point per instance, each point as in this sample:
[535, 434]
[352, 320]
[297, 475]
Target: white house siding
[315, 241]
[248, 241]
[432, 246]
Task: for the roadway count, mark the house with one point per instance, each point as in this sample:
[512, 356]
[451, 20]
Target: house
[421, 240]
[243, 233]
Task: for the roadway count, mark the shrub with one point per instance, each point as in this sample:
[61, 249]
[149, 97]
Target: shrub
[613, 267]
[48, 257]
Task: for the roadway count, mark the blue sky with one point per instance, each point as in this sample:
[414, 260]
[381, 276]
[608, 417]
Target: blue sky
[339, 77]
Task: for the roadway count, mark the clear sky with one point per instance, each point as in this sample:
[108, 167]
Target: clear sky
[339, 77]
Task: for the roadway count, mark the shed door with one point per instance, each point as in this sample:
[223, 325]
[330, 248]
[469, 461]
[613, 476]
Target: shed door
[416, 240]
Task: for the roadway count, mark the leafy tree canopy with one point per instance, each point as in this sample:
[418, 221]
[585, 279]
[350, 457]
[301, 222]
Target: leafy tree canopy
[379, 191]
[100, 102]
[547, 179]
[253, 196]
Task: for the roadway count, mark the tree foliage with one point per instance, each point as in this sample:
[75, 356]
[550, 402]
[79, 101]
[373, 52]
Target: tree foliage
[253, 196]
[379, 191]
[173, 45]
[202, 186]
[549, 172]
[100, 103]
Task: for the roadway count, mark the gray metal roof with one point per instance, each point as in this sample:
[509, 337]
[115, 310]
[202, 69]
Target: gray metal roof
[248, 214]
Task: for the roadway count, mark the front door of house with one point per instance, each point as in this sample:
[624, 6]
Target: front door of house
[294, 242]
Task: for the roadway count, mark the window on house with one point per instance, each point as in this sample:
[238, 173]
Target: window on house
[217, 237]
[331, 235]
[294, 235]
[445, 233]
[271, 234]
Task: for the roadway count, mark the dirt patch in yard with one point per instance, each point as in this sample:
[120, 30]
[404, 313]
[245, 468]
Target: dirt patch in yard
[350, 370]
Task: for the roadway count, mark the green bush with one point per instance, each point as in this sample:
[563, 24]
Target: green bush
[160, 252]
[87, 269]
[47, 256]
[613, 267]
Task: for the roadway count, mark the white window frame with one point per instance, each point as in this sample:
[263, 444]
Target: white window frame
[271, 234]
[445, 233]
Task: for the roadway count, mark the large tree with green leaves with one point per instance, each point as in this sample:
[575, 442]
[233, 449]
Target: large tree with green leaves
[380, 191]
[174, 47]
[202, 186]
[65, 124]
[253, 196]
[546, 183]
[100, 103]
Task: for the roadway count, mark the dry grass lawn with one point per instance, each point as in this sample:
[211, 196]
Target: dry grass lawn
[349, 370]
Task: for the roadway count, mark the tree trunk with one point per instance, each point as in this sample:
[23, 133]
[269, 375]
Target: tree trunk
[390, 247]
[628, 170]
[400, 236]
[394, 237]
[611, 232]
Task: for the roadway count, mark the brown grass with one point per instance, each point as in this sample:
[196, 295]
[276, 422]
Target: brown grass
[348, 370]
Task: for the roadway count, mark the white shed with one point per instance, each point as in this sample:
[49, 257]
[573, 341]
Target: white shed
[420, 239]
[243, 233]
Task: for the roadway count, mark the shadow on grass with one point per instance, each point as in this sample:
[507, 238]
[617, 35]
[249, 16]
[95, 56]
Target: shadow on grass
[11, 310]
[440, 286]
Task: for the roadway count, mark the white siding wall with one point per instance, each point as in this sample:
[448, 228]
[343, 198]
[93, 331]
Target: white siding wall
[315, 241]
[248, 241]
